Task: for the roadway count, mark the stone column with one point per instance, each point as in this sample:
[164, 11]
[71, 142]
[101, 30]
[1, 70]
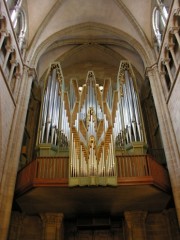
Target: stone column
[52, 226]
[172, 223]
[168, 134]
[11, 161]
[135, 225]
[15, 226]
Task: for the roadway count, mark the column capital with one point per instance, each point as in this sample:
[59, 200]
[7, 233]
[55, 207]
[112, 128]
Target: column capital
[9, 48]
[18, 218]
[176, 12]
[52, 218]
[4, 32]
[150, 70]
[135, 217]
[173, 30]
[171, 215]
[135, 225]
[166, 61]
[162, 73]
[31, 72]
[170, 46]
[14, 62]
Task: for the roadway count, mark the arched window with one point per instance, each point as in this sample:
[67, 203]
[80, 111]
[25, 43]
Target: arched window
[19, 21]
[14, 7]
[159, 19]
[21, 28]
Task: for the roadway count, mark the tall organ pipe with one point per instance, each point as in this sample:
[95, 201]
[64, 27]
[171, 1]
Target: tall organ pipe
[132, 106]
[50, 105]
[45, 108]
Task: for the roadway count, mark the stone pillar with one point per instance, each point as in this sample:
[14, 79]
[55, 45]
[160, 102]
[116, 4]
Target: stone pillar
[168, 134]
[15, 226]
[11, 161]
[172, 223]
[135, 225]
[52, 226]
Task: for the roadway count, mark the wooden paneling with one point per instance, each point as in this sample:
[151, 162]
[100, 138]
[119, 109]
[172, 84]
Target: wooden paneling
[44, 171]
[26, 176]
[132, 166]
[141, 169]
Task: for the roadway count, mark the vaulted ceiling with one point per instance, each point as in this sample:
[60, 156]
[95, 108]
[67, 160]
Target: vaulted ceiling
[89, 35]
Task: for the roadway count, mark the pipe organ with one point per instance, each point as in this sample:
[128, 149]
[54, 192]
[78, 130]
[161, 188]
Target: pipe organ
[93, 121]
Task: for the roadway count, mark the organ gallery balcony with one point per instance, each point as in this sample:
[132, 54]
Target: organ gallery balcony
[106, 167]
[43, 185]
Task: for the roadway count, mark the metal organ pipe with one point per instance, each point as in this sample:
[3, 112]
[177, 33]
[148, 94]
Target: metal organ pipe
[131, 105]
[50, 105]
[137, 111]
[45, 109]
[54, 114]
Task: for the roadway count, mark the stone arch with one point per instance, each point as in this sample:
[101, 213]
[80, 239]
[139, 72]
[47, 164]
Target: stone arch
[145, 52]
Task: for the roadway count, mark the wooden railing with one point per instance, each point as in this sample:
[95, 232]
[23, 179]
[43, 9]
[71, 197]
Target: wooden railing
[132, 166]
[26, 176]
[44, 171]
[52, 168]
[141, 169]
[53, 171]
[159, 174]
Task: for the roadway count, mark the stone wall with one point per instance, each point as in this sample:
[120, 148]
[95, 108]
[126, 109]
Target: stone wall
[7, 107]
[174, 110]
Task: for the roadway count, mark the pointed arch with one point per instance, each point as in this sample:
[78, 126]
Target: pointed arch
[143, 51]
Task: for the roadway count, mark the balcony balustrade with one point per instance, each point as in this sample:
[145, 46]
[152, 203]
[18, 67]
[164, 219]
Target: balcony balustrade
[54, 171]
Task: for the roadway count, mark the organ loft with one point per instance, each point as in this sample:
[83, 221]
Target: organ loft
[91, 157]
